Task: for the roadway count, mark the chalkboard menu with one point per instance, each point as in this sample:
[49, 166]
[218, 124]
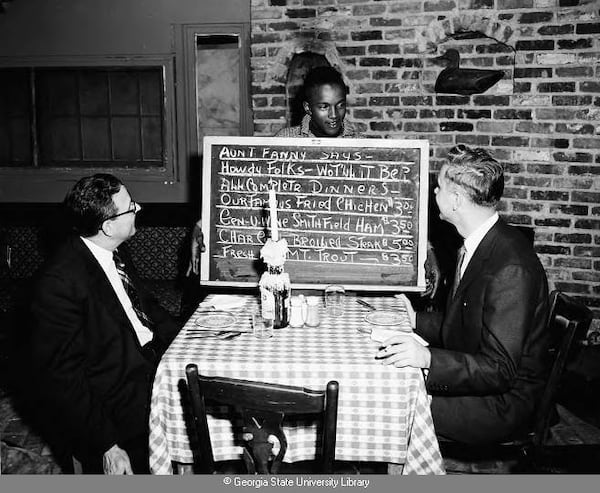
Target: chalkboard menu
[353, 211]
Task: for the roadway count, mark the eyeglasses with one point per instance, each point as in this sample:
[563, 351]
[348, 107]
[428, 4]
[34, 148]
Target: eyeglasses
[134, 208]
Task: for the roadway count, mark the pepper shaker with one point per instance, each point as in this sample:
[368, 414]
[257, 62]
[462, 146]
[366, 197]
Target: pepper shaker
[312, 315]
[296, 317]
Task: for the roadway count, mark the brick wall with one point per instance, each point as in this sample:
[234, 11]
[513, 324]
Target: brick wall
[542, 120]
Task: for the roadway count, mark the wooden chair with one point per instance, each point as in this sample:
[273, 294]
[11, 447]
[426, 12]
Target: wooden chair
[263, 407]
[568, 320]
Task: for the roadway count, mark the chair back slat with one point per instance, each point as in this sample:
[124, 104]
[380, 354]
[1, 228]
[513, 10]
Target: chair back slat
[329, 429]
[263, 407]
[567, 321]
[244, 393]
[199, 422]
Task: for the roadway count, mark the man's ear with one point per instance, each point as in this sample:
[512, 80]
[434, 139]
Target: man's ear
[306, 107]
[106, 228]
[458, 198]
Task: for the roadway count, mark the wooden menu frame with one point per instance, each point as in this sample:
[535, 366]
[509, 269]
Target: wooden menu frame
[354, 211]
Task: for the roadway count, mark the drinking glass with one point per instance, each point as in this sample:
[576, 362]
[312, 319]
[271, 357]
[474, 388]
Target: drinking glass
[334, 300]
[262, 327]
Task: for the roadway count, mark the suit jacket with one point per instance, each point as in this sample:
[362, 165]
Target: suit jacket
[489, 348]
[94, 377]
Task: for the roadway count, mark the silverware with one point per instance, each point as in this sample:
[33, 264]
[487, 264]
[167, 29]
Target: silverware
[223, 335]
[368, 305]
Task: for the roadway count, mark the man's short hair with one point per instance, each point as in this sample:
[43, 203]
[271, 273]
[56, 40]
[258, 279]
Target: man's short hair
[90, 202]
[320, 76]
[477, 172]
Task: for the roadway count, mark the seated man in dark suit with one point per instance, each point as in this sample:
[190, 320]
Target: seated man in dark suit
[97, 335]
[486, 360]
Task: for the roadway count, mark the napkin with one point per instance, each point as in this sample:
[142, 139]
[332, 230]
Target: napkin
[228, 301]
[380, 334]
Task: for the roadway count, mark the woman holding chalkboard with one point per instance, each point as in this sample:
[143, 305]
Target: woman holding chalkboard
[325, 107]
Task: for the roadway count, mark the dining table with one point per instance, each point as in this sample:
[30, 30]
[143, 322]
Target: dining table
[384, 412]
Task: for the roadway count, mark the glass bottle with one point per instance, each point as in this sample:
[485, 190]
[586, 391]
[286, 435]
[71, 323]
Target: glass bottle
[275, 294]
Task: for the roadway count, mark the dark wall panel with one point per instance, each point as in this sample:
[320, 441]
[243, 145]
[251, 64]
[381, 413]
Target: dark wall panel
[90, 27]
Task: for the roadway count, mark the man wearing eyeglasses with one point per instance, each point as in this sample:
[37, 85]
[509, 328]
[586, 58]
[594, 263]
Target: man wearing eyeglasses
[97, 335]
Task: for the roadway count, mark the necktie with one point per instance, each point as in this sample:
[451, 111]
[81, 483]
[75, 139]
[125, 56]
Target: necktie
[131, 290]
[459, 262]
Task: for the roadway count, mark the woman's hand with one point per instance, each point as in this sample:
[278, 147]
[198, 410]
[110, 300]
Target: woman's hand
[433, 274]
[196, 247]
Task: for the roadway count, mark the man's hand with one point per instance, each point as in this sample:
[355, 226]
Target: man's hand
[197, 247]
[402, 350]
[116, 461]
[433, 274]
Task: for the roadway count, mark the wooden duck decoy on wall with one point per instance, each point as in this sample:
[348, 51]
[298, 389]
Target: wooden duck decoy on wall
[464, 81]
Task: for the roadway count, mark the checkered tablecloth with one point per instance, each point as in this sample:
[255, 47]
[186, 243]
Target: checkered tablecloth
[383, 411]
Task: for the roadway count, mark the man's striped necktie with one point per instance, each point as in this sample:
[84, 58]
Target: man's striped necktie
[131, 290]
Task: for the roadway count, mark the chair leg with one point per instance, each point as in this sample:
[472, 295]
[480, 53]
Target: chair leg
[77, 469]
[185, 469]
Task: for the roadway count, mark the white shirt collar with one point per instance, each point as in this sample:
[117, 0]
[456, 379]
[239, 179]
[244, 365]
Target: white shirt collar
[474, 239]
[102, 255]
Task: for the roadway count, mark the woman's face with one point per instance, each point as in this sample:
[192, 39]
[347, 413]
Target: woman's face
[326, 106]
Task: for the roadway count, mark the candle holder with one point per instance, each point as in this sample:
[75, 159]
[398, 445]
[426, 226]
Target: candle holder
[274, 284]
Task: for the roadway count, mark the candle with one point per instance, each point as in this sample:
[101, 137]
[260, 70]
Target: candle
[273, 213]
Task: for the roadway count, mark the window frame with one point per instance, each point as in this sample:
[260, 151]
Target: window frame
[47, 184]
[186, 49]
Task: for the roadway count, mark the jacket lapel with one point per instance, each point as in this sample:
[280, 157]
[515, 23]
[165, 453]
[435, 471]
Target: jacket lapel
[103, 288]
[477, 262]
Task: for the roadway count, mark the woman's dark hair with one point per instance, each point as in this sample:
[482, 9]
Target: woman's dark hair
[90, 202]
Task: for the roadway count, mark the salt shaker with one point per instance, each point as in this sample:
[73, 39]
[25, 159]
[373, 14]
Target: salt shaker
[296, 317]
[304, 307]
[312, 312]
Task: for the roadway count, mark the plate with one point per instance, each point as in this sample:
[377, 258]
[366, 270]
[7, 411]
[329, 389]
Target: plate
[215, 319]
[386, 318]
